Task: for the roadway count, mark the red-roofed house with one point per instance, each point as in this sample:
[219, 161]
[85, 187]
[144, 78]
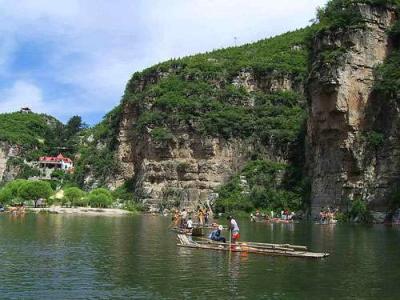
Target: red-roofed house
[57, 162]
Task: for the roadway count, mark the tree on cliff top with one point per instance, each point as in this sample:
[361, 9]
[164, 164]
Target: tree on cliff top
[345, 13]
[73, 126]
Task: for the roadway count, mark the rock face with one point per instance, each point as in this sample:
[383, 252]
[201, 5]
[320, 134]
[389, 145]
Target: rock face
[8, 171]
[3, 160]
[271, 82]
[342, 165]
[185, 171]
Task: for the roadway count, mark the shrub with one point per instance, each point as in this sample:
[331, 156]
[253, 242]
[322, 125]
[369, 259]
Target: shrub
[375, 139]
[388, 76]
[133, 206]
[161, 134]
[122, 194]
[75, 197]
[100, 198]
[359, 211]
[339, 14]
[266, 189]
[6, 195]
[58, 175]
[182, 167]
[394, 198]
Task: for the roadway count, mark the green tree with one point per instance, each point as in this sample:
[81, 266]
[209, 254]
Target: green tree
[5, 196]
[34, 190]
[100, 198]
[74, 125]
[75, 196]
[15, 185]
[10, 191]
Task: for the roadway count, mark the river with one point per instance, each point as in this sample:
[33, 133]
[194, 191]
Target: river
[136, 257]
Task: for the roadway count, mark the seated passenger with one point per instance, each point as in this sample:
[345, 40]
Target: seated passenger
[215, 235]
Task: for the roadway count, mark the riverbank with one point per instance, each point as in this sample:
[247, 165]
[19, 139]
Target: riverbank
[81, 211]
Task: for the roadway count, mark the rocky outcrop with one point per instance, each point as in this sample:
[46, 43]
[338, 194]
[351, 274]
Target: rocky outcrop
[3, 160]
[187, 169]
[182, 172]
[342, 164]
[188, 175]
[270, 82]
[8, 171]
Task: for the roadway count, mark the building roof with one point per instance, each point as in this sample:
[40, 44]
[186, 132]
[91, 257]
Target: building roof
[25, 109]
[57, 159]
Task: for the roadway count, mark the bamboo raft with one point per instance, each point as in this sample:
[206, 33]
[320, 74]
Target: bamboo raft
[256, 248]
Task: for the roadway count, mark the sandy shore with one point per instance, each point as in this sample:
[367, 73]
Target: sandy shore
[81, 211]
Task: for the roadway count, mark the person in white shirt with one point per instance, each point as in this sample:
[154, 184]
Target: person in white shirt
[234, 228]
[184, 215]
[189, 223]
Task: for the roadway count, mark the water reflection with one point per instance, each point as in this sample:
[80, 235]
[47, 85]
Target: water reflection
[71, 257]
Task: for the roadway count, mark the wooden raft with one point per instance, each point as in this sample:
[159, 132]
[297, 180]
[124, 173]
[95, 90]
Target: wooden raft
[256, 248]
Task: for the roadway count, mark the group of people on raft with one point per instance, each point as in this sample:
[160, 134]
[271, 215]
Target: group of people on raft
[328, 216]
[183, 219]
[285, 215]
[16, 209]
[233, 228]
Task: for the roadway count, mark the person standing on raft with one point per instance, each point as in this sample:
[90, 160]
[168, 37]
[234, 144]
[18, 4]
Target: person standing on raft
[183, 216]
[200, 214]
[234, 229]
[189, 225]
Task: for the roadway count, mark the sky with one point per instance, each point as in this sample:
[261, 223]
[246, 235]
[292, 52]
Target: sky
[74, 57]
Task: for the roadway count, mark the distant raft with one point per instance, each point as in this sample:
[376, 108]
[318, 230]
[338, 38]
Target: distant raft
[256, 248]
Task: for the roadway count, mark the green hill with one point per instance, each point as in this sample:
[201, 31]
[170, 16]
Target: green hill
[32, 132]
[202, 95]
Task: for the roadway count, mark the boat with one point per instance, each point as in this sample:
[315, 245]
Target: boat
[256, 248]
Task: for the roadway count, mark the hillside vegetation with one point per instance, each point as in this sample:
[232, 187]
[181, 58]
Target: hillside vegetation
[34, 135]
[198, 92]
[30, 131]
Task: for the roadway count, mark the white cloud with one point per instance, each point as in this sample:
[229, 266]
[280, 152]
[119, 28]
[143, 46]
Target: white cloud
[21, 94]
[92, 47]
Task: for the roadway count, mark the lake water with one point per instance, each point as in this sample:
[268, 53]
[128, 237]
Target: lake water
[136, 257]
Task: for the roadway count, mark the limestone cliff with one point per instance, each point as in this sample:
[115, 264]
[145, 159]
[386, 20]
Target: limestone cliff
[343, 165]
[9, 170]
[3, 160]
[186, 169]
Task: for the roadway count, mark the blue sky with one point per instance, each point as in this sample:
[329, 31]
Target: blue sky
[74, 57]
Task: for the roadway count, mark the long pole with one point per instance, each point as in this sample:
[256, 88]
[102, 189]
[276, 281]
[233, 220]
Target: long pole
[230, 239]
